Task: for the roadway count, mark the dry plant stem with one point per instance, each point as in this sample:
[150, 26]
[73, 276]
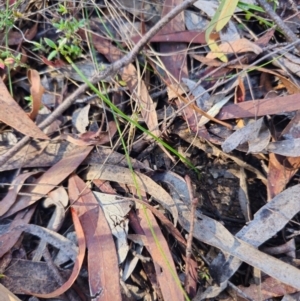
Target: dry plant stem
[188, 254]
[288, 33]
[108, 72]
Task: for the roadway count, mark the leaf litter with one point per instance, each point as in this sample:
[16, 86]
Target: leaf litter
[125, 193]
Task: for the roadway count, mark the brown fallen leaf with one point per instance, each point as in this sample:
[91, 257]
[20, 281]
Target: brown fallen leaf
[163, 263]
[9, 239]
[186, 36]
[124, 176]
[16, 37]
[260, 107]
[282, 169]
[18, 276]
[36, 90]
[237, 46]
[50, 179]
[45, 153]
[77, 264]
[12, 115]
[102, 257]
[13, 191]
[270, 288]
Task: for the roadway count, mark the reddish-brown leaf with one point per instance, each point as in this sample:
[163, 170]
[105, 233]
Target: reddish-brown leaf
[260, 107]
[102, 256]
[175, 62]
[12, 115]
[13, 191]
[185, 36]
[163, 264]
[36, 90]
[282, 169]
[270, 288]
[50, 179]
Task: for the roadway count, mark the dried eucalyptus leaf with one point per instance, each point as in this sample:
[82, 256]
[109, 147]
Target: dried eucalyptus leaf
[248, 133]
[290, 148]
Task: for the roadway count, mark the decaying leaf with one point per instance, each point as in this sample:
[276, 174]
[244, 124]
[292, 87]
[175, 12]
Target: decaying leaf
[44, 154]
[270, 288]
[289, 147]
[116, 209]
[161, 256]
[30, 276]
[102, 258]
[80, 118]
[52, 177]
[272, 218]
[124, 175]
[77, 264]
[253, 133]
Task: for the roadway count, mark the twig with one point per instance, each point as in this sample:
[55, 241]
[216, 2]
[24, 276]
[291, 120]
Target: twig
[288, 33]
[189, 242]
[108, 72]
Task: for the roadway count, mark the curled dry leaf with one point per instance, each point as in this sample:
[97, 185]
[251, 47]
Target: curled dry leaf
[53, 238]
[36, 90]
[59, 199]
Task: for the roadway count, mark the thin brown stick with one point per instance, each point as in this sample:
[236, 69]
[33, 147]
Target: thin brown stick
[189, 242]
[107, 73]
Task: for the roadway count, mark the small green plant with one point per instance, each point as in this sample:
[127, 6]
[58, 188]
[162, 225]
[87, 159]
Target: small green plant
[69, 42]
[204, 275]
[28, 99]
[7, 18]
[10, 60]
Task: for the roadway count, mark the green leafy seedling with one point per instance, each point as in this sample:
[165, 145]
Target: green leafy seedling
[217, 23]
